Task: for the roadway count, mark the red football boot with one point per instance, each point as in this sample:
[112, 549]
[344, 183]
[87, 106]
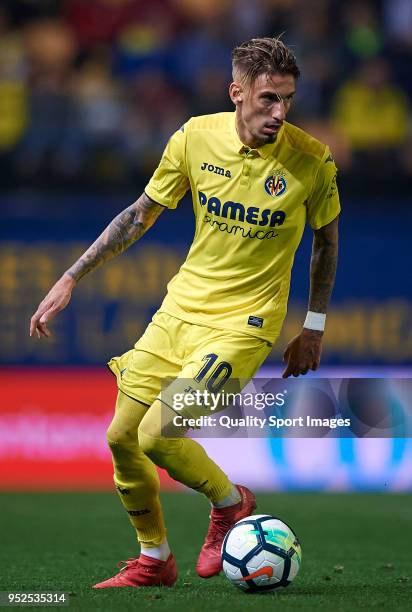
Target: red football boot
[209, 562]
[143, 572]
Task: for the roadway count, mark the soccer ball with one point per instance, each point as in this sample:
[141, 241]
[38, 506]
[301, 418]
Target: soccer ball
[261, 553]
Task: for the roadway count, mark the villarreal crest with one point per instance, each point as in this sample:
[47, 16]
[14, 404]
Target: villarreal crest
[275, 184]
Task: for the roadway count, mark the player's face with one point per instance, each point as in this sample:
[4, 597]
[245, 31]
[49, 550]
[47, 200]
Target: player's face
[262, 106]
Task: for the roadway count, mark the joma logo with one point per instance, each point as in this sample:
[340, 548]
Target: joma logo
[215, 169]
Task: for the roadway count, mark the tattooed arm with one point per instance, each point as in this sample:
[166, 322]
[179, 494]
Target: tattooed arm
[304, 351]
[323, 266]
[123, 231]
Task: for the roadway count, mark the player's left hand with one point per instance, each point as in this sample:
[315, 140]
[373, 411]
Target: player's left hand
[303, 353]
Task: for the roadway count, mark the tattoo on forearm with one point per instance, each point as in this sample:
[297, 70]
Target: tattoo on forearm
[322, 272]
[123, 231]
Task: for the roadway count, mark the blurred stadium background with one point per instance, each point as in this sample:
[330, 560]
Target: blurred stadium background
[89, 94]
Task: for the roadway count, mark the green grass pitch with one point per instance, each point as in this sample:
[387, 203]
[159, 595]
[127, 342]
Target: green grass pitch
[356, 552]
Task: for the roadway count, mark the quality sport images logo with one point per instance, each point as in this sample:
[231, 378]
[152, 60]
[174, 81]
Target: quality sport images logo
[275, 184]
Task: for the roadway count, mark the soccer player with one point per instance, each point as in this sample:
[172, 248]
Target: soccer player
[255, 180]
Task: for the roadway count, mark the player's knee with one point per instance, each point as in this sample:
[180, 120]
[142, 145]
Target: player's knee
[155, 447]
[120, 439]
[147, 442]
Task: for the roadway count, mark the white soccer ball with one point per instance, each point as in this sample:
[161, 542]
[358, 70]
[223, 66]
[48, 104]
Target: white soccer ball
[261, 553]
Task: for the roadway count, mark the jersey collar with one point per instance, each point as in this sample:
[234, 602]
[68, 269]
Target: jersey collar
[264, 151]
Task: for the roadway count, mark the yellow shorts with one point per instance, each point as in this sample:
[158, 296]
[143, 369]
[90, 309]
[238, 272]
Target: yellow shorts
[189, 355]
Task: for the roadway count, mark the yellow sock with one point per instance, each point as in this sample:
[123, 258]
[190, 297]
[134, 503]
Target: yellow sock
[183, 458]
[135, 475]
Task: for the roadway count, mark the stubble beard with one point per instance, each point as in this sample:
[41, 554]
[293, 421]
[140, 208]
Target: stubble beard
[266, 139]
[270, 138]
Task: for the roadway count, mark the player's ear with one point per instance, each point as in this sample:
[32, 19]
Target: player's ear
[235, 93]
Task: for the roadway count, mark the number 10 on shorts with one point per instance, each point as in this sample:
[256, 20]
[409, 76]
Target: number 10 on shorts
[218, 376]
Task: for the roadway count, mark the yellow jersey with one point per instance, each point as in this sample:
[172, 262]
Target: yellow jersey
[251, 206]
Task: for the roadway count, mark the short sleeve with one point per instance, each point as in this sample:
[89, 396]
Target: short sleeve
[170, 180]
[323, 203]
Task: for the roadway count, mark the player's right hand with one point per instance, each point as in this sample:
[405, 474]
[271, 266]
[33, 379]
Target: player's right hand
[57, 299]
